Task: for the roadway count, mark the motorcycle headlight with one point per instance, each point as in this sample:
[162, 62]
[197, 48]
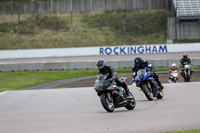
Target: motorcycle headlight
[175, 75]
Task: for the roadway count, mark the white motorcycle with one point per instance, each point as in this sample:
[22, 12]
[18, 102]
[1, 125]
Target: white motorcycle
[174, 76]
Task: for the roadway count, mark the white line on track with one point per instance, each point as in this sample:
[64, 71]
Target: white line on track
[4, 92]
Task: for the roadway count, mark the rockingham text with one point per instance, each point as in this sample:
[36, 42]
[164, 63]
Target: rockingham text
[120, 50]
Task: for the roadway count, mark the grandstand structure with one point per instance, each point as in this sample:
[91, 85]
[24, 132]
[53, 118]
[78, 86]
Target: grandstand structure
[187, 9]
[186, 24]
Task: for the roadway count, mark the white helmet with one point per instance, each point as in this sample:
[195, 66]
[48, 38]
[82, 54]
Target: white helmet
[173, 65]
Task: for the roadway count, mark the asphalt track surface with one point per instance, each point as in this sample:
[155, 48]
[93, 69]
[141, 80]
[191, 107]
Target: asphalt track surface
[106, 57]
[79, 110]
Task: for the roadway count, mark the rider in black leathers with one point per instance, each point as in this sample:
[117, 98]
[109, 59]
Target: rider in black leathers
[112, 75]
[139, 63]
[183, 61]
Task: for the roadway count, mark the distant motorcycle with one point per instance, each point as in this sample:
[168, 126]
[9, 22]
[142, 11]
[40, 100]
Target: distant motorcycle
[174, 76]
[113, 96]
[186, 72]
[143, 80]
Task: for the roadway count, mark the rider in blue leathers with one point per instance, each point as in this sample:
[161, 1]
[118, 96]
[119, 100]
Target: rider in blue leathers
[139, 63]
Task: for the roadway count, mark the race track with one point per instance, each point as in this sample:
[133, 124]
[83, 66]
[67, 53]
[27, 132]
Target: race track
[79, 110]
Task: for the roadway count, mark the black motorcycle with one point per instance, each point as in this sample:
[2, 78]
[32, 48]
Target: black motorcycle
[113, 96]
[186, 72]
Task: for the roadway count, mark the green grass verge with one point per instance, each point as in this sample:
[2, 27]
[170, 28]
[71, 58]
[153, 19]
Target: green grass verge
[185, 131]
[22, 80]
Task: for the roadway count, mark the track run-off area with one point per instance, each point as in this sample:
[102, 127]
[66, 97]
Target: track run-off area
[78, 110]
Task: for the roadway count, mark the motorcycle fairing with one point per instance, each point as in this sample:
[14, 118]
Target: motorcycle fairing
[142, 77]
[145, 76]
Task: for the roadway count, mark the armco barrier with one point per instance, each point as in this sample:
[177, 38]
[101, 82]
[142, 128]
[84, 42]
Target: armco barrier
[85, 65]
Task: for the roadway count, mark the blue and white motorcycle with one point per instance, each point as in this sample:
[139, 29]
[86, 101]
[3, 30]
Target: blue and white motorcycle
[148, 85]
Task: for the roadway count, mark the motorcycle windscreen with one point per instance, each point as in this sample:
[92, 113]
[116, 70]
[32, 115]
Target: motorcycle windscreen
[142, 75]
[98, 85]
[101, 84]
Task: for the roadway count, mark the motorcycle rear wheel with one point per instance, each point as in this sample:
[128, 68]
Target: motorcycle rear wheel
[108, 106]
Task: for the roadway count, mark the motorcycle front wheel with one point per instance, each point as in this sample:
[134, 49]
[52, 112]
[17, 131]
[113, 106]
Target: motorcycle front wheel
[108, 106]
[174, 81]
[188, 78]
[148, 92]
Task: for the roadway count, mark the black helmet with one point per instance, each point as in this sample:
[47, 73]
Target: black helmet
[101, 64]
[185, 55]
[138, 61]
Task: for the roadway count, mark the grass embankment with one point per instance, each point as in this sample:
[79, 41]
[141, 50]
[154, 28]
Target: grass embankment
[22, 80]
[89, 29]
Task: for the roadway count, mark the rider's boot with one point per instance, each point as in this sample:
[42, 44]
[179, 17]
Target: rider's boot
[160, 84]
[126, 89]
[121, 98]
[158, 81]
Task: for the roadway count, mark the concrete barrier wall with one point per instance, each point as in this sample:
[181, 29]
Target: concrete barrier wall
[29, 67]
[84, 65]
[56, 66]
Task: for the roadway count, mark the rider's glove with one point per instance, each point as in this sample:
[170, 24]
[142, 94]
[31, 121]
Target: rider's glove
[113, 78]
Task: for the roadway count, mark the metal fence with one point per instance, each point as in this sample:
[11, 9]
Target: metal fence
[66, 6]
[32, 31]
